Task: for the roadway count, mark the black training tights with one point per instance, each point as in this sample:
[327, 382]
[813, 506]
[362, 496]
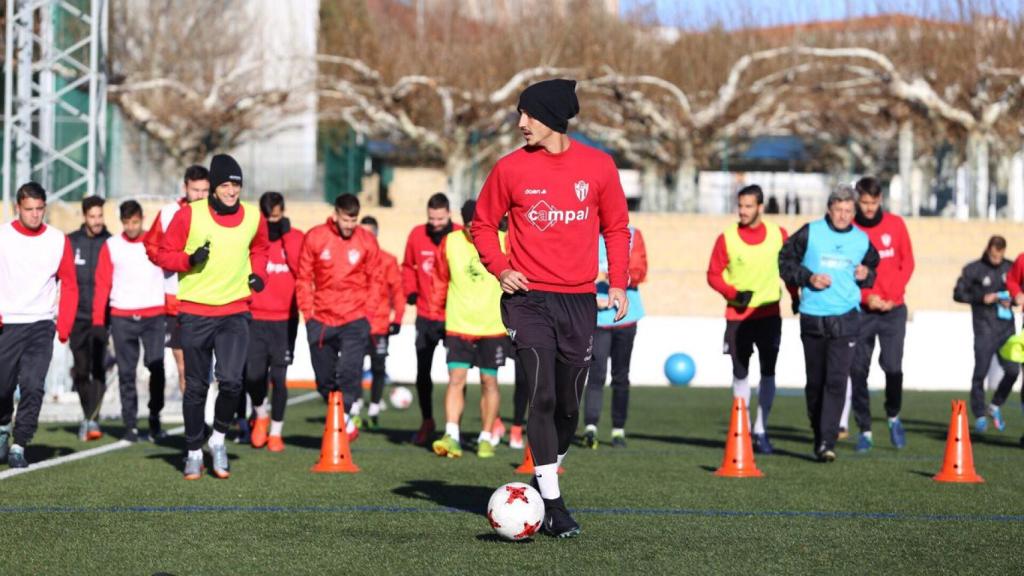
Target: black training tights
[554, 404]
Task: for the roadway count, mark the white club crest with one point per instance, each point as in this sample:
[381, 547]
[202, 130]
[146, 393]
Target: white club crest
[886, 240]
[353, 256]
[325, 254]
[582, 188]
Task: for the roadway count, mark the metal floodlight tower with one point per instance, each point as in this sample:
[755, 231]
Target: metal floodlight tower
[55, 50]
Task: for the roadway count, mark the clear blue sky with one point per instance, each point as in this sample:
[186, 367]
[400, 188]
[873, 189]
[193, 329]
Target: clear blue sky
[740, 13]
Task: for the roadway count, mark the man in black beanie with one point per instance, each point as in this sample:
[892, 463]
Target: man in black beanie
[560, 195]
[218, 247]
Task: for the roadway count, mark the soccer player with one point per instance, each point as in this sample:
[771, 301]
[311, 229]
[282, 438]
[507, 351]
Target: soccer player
[133, 287]
[421, 251]
[983, 284]
[218, 246]
[268, 354]
[34, 261]
[560, 195]
[88, 345]
[744, 269]
[196, 187]
[339, 269]
[831, 261]
[614, 340]
[884, 314]
[474, 335]
[385, 321]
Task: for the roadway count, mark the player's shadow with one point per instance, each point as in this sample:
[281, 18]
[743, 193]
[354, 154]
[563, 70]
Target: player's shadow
[684, 440]
[460, 497]
[39, 452]
[313, 442]
[913, 424]
[396, 436]
[989, 440]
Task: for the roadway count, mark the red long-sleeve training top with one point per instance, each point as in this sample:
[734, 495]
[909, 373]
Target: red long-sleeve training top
[337, 276]
[274, 303]
[418, 271]
[557, 206]
[391, 298]
[896, 259]
[171, 256]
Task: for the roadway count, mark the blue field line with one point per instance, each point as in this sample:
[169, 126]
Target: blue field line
[662, 512]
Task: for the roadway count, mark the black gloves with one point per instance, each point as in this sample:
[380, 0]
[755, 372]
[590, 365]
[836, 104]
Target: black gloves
[411, 300]
[98, 333]
[202, 254]
[743, 298]
[255, 283]
[796, 305]
[394, 328]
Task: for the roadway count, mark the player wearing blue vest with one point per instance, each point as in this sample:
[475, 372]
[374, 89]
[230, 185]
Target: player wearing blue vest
[614, 341]
[830, 260]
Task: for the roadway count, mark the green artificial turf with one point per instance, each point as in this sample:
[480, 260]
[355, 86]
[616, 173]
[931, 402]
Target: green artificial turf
[653, 508]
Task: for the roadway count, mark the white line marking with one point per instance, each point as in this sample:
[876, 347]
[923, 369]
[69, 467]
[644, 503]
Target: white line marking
[10, 472]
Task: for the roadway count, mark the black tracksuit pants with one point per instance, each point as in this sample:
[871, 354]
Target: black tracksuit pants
[25, 354]
[378, 352]
[429, 333]
[128, 333]
[615, 344]
[890, 329]
[829, 343]
[267, 359]
[337, 355]
[88, 374]
[986, 345]
[201, 338]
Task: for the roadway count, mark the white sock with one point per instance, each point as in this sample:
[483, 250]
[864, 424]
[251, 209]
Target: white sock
[17, 448]
[195, 454]
[357, 407]
[275, 427]
[216, 439]
[894, 419]
[558, 461]
[485, 436]
[741, 389]
[261, 410]
[350, 425]
[452, 429]
[374, 409]
[547, 480]
[867, 434]
[591, 428]
[617, 432]
[765, 399]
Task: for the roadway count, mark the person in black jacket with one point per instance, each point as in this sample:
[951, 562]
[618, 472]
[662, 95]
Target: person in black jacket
[88, 345]
[982, 284]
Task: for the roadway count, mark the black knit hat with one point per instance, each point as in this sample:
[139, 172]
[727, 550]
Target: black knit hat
[553, 102]
[468, 210]
[224, 168]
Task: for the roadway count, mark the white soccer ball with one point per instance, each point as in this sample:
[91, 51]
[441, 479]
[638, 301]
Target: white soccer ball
[515, 511]
[401, 398]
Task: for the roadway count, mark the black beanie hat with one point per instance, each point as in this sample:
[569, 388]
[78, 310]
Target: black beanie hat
[224, 168]
[468, 210]
[553, 102]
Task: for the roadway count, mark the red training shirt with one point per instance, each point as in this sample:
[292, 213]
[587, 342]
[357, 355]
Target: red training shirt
[274, 303]
[418, 271]
[336, 279]
[896, 259]
[390, 296]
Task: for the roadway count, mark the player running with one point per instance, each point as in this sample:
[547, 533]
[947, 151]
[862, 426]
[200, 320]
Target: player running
[614, 341]
[35, 260]
[983, 284]
[218, 246]
[474, 334]
[385, 321]
[883, 314]
[561, 195]
[831, 261]
[339, 269]
[88, 345]
[269, 348]
[421, 251]
[133, 288]
[744, 269]
[196, 187]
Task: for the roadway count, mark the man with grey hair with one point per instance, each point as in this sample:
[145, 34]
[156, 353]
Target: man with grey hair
[830, 260]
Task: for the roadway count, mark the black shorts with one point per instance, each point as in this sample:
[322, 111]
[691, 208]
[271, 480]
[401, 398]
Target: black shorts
[172, 338]
[484, 353]
[268, 345]
[564, 323]
[742, 335]
[378, 345]
[429, 333]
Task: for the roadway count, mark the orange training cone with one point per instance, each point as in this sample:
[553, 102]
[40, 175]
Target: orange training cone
[527, 466]
[739, 453]
[959, 463]
[334, 451]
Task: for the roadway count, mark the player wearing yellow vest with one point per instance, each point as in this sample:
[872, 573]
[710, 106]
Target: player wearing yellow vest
[218, 247]
[744, 269]
[474, 334]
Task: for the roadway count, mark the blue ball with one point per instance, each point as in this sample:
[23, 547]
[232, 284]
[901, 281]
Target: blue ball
[680, 369]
